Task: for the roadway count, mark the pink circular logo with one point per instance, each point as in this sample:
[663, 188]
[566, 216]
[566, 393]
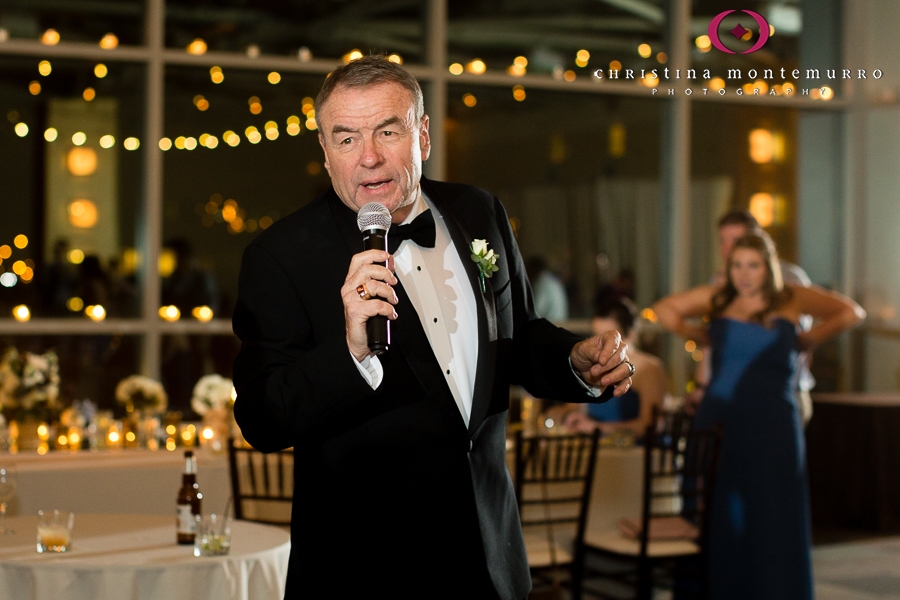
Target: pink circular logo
[739, 31]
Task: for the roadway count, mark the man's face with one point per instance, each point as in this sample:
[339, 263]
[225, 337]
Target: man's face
[728, 235]
[374, 147]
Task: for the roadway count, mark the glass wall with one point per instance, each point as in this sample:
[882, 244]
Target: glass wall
[145, 143]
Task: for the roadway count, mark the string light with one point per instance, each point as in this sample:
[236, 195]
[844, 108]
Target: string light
[51, 134]
[216, 74]
[21, 129]
[35, 88]
[89, 94]
[274, 78]
[190, 143]
[44, 68]
[198, 46]
[109, 41]
[131, 143]
[165, 144]
[79, 138]
[107, 141]
[455, 69]
[100, 71]
[50, 37]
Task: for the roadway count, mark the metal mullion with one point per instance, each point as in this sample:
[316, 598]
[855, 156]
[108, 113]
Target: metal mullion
[150, 217]
[78, 50]
[436, 60]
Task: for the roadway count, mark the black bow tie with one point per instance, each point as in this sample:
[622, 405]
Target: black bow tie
[420, 231]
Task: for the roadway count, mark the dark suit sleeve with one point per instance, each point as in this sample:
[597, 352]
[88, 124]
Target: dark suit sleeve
[540, 349]
[290, 387]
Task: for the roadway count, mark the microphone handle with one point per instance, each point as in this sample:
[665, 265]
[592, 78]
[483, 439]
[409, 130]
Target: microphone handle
[378, 328]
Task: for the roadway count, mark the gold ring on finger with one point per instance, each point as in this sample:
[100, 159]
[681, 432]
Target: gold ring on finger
[364, 295]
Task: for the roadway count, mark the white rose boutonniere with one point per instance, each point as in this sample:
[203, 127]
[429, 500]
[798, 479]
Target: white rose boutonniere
[486, 259]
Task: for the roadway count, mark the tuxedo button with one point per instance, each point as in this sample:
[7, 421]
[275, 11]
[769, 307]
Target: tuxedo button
[470, 445]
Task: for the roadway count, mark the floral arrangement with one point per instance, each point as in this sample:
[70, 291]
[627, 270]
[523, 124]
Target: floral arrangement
[139, 393]
[212, 392]
[29, 384]
[79, 414]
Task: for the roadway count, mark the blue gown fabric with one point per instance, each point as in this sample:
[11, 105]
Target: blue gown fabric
[624, 408]
[760, 532]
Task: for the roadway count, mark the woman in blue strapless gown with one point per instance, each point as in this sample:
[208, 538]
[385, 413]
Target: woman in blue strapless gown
[759, 547]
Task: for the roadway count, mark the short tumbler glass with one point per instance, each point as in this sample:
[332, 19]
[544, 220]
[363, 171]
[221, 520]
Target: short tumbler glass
[54, 530]
[213, 536]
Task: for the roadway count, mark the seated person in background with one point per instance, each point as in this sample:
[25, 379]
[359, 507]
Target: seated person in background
[633, 411]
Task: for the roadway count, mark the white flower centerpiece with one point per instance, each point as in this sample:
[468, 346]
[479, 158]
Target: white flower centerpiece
[213, 400]
[29, 392]
[141, 394]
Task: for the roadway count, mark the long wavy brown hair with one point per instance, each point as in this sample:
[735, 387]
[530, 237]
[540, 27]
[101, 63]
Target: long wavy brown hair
[774, 292]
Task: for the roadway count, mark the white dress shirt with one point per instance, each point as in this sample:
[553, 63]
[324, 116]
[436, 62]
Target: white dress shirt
[438, 287]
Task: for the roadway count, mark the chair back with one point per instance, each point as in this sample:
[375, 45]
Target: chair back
[262, 485]
[680, 468]
[553, 479]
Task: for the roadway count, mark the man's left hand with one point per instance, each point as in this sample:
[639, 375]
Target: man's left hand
[603, 360]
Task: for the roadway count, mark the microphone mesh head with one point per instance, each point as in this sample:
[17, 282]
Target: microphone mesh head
[373, 215]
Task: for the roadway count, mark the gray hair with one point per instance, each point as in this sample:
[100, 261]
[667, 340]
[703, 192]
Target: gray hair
[366, 72]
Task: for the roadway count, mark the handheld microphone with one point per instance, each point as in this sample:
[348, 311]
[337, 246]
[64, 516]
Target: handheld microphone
[373, 221]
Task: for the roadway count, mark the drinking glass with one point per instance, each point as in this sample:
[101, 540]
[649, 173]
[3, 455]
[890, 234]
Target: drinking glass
[54, 530]
[213, 536]
[7, 493]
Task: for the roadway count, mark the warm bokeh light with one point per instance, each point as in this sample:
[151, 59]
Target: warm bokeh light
[231, 138]
[75, 304]
[50, 37]
[716, 83]
[198, 46]
[762, 146]
[165, 144]
[44, 68]
[5, 252]
[109, 41]
[697, 355]
[107, 141]
[649, 315]
[827, 93]
[82, 213]
[34, 88]
[79, 138]
[788, 87]
[293, 129]
[202, 104]
[169, 313]
[216, 75]
[170, 445]
[190, 143]
[518, 92]
[703, 43]
[469, 100]
[211, 142]
[351, 56]
[75, 256]
[762, 206]
[130, 437]
[272, 134]
[74, 438]
[202, 313]
[313, 168]
[187, 435]
[615, 66]
[650, 81]
[113, 437]
[582, 57]
[95, 312]
[131, 143]
[520, 61]
[644, 50]
[21, 241]
[662, 58]
[19, 267]
[311, 124]
[690, 345]
[28, 275]
[265, 222]
[207, 433]
[179, 142]
[89, 94]
[21, 129]
[569, 76]
[21, 313]
[43, 431]
[456, 69]
[516, 70]
[477, 67]
[81, 161]
[274, 77]
[100, 70]
[396, 58]
[252, 134]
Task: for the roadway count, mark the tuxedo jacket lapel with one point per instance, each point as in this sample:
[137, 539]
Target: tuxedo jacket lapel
[407, 333]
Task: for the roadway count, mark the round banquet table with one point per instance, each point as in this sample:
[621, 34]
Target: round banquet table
[135, 557]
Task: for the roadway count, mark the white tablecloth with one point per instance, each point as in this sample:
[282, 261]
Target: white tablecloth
[135, 557]
[114, 481]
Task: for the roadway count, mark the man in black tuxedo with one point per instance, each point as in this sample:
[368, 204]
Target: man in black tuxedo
[401, 483]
